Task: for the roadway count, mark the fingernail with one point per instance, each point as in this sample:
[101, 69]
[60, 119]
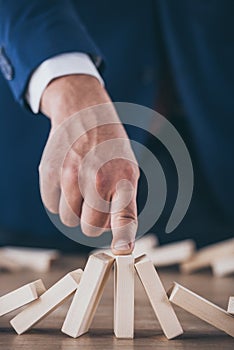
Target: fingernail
[121, 245]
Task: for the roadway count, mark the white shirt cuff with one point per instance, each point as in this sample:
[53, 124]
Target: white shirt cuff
[57, 66]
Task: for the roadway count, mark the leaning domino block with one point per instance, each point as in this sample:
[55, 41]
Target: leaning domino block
[158, 297]
[47, 302]
[202, 308]
[231, 306]
[224, 266]
[124, 296]
[205, 256]
[87, 297]
[21, 296]
[173, 253]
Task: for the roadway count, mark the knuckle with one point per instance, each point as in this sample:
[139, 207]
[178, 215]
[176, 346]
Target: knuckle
[70, 172]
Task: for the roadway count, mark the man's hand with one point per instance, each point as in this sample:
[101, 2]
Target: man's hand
[96, 183]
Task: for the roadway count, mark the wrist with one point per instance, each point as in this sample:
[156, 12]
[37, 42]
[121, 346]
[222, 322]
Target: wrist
[67, 95]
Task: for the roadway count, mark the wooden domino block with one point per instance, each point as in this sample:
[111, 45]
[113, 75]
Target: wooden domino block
[30, 251]
[173, 253]
[158, 297]
[21, 296]
[36, 259]
[202, 308]
[87, 297]
[124, 296]
[47, 302]
[8, 265]
[224, 266]
[205, 256]
[231, 306]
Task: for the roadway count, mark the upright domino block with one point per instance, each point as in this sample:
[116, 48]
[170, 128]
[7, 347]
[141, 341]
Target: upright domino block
[205, 256]
[21, 296]
[202, 308]
[224, 266]
[231, 306]
[124, 296]
[173, 253]
[87, 297]
[47, 302]
[158, 297]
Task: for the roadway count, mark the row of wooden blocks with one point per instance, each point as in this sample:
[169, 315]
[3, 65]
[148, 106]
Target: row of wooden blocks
[87, 287]
[219, 256]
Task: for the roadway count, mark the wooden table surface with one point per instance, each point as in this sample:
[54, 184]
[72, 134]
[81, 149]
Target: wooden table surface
[148, 334]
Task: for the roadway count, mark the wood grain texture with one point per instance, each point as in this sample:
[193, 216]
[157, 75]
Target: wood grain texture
[198, 335]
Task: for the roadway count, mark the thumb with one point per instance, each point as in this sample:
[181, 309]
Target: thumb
[124, 227]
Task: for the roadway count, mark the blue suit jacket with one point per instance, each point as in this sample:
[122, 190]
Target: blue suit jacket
[138, 43]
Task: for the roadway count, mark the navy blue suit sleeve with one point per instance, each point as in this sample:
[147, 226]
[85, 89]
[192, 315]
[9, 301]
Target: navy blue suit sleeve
[32, 31]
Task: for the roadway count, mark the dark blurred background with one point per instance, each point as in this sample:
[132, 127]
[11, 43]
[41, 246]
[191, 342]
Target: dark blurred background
[173, 56]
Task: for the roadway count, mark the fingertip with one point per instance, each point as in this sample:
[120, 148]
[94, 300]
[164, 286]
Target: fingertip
[122, 248]
[71, 221]
[52, 210]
